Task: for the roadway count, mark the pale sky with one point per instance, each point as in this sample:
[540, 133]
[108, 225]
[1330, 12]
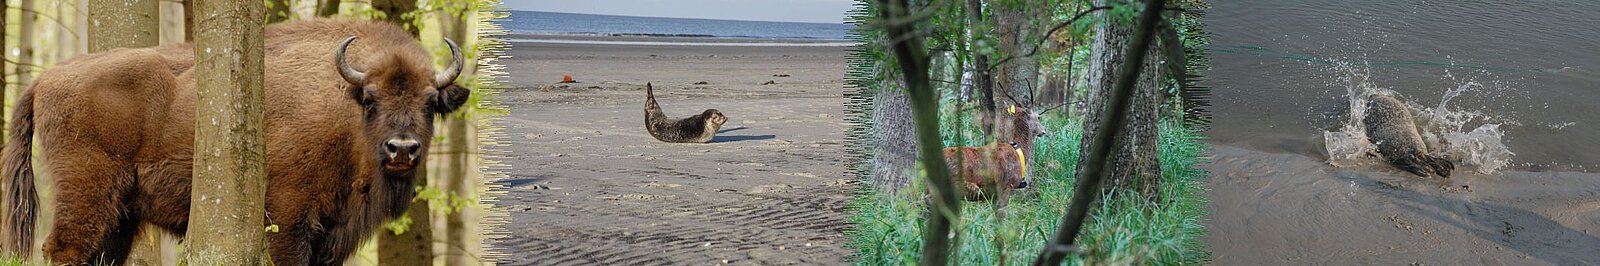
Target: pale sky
[822, 11]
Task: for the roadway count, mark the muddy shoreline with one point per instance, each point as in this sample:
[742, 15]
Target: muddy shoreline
[1294, 209]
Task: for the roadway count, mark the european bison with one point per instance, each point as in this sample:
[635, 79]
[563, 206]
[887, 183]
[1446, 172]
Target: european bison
[349, 114]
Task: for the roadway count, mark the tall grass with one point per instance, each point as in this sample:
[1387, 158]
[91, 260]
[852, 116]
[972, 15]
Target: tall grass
[1122, 230]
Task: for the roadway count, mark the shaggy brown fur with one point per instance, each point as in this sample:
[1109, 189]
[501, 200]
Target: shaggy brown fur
[1390, 126]
[990, 172]
[116, 130]
[699, 128]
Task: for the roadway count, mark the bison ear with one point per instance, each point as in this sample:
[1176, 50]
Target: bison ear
[362, 95]
[450, 98]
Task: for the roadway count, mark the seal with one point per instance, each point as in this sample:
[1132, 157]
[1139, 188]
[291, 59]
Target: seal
[1392, 128]
[699, 128]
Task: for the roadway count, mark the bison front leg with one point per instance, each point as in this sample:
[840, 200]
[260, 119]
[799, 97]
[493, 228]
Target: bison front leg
[291, 245]
[92, 220]
[118, 243]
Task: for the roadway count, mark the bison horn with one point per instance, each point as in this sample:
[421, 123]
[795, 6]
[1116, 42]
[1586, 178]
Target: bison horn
[350, 74]
[449, 75]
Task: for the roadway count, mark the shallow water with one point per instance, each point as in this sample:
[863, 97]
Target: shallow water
[1525, 75]
[1507, 89]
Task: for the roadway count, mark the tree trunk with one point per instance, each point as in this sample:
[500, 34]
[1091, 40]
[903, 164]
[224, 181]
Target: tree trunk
[1135, 160]
[277, 11]
[116, 24]
[462, 141]
[123, 23]
[415, 245]
[458, 173]
[982, 78]
[5, 6]
[894, 147]
[229, 185]
[394, 12]
[1054, 91]
[328, 8]
[147, 249]
[188, 20]
[1016, 76]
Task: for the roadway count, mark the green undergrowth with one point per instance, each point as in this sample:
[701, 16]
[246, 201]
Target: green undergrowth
[887, 227]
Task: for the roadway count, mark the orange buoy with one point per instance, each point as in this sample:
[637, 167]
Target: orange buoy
[567, 79]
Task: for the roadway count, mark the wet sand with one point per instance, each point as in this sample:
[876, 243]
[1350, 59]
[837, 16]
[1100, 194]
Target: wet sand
[589, 186]
[1285, 208]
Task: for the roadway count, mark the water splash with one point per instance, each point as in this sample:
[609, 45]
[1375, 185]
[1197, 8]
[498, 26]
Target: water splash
[1349, 145]
[1443, 129]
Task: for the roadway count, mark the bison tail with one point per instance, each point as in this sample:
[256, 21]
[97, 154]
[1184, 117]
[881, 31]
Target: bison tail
[21, 201]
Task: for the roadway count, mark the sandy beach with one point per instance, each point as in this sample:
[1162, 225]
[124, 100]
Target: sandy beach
[589, 186]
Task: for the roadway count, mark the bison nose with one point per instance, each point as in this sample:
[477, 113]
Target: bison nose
[402, 147]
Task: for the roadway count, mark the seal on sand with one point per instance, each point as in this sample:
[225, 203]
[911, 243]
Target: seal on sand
[694, 129]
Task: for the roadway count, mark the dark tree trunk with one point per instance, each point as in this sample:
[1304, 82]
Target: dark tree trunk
[1054, 91]
[982, 78]
[1135, 163]
[394, 12]
[277, 11]
[328, 8]
[188, 20]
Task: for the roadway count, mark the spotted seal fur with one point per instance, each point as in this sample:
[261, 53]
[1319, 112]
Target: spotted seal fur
[700, 128]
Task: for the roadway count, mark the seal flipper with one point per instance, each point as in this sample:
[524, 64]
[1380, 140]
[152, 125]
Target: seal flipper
[1415, 163]
[1441, 166]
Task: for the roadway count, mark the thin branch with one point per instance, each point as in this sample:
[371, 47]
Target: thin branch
[1059, 26]
[912, 57]
[63, 25]
[1064, 24]
[1091, 174]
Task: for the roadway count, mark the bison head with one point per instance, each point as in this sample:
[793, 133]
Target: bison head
[400, 98]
